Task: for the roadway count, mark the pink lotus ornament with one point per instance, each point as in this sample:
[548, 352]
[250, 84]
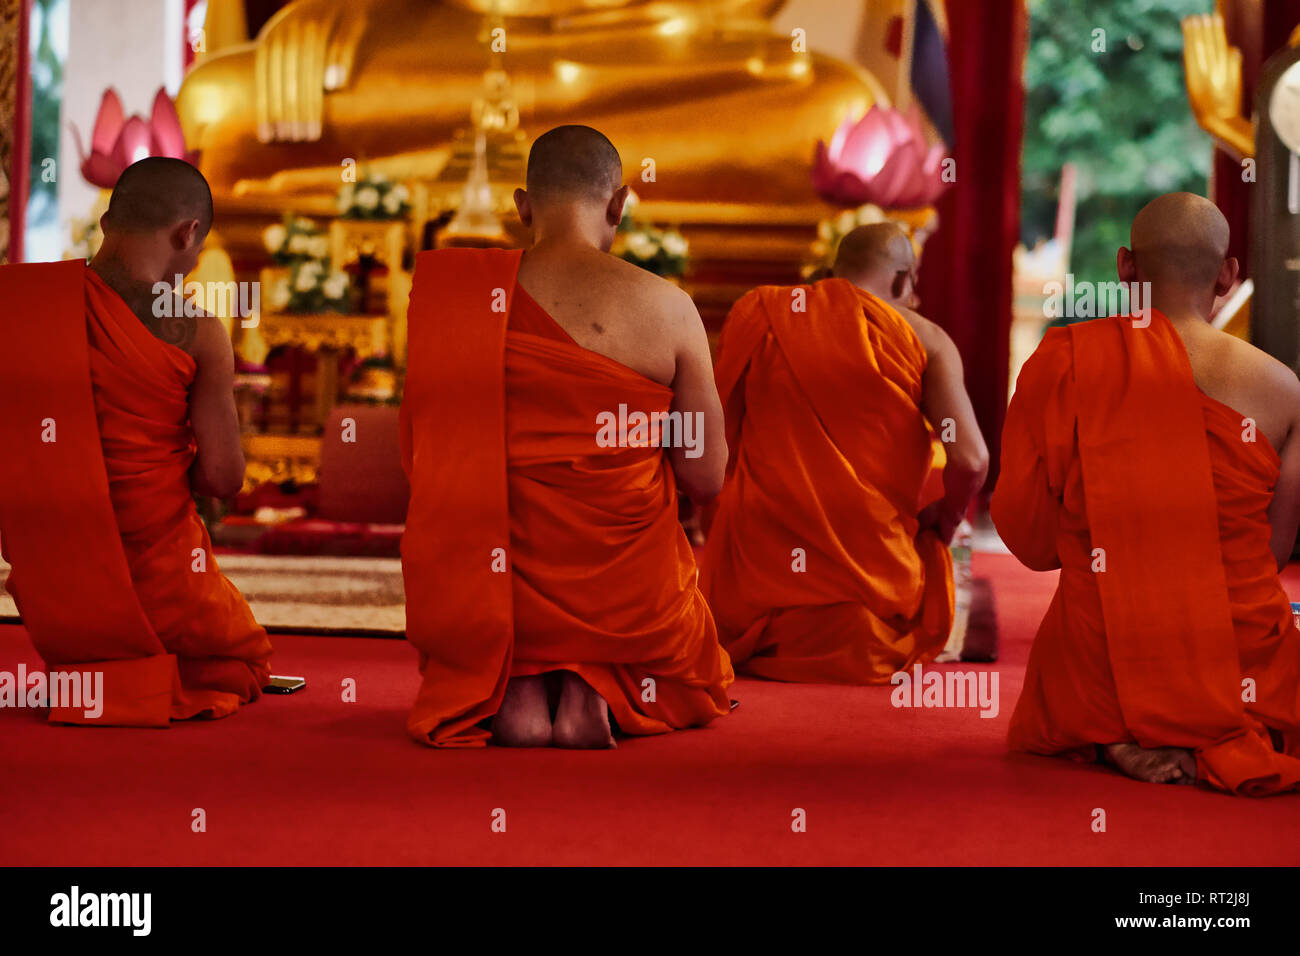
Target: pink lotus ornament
[118, 140]
[880, 159]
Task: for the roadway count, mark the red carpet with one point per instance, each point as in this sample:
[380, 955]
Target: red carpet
[308, 779]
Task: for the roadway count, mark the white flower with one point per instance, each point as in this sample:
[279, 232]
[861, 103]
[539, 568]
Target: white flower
[318, 247]
[392, 205]
[674, 244]
[344, 201]
[401, 192]
[280, 295]
[367, 197]
[641, 245]
[304, 280]
[336, 286]
[299, 244]
[273, 237]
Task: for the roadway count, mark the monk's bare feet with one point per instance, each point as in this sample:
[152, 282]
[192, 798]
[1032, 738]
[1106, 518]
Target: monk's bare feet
[524, 719]
[582, 718]
[1154, 765]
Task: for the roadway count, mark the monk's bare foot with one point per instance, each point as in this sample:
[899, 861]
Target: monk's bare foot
[1154, 765]
[524, 719]
[582, 718]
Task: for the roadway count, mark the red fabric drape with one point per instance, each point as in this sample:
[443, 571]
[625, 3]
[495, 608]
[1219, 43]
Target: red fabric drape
[965, 282]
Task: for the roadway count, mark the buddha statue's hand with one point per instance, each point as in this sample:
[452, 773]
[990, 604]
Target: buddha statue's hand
[1214, 83]
[302, 52]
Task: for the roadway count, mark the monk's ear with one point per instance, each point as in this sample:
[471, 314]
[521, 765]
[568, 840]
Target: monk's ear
[1126, 265]
[1227, 276]
[614, 211]
[525, 208]
[186, 234]
[898, 285]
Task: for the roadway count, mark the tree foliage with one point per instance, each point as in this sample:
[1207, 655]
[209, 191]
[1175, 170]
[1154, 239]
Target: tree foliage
[47, 94]
[1105, 90]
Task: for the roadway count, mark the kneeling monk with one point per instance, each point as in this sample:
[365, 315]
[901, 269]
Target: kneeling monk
[1156, 462]
[118, 406]
[821, 564]
[542, 536]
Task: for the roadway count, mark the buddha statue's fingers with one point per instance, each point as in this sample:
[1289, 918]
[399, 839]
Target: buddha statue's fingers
[1212, 67]
[341, 50]
[301, 54]
[312, 74]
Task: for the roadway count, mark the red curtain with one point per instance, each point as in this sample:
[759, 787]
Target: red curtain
[965, 282]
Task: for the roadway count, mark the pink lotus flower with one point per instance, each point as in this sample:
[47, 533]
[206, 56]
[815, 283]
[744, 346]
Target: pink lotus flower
[118, 140]
[880, 159]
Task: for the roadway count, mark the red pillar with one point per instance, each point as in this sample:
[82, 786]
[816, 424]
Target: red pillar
[966, 275]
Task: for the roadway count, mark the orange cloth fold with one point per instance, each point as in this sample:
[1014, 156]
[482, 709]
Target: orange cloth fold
[113, 570]
[814, 565]
[528, 547]
[1170, 626]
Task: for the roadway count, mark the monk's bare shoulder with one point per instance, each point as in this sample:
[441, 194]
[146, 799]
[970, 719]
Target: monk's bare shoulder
[934, 339]
[1266, 377]
[210, 344]
[663, 303]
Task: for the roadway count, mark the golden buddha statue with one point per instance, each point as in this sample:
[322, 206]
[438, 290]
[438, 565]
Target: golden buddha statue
[1214, 83]
[728, 110]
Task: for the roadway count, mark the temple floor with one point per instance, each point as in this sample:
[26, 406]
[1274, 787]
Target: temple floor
[310, 780]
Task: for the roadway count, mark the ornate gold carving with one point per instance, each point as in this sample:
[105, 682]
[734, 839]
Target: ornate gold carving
[9, 15]
[367, 335]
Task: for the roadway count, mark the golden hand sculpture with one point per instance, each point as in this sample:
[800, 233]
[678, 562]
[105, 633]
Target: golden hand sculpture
[1214, 83]
[301, 55]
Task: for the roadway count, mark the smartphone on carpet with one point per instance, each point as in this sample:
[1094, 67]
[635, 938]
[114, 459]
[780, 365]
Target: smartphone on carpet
[280, 684]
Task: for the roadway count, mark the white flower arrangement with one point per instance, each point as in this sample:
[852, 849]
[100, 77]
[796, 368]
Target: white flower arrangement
[665, 252]
[295, 240]
[661, 251]
[311, 286]
[373, 197]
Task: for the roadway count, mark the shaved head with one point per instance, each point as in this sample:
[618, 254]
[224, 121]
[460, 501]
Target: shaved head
[573, 163]
[878, 249]
[158, 193]
[1181, 239]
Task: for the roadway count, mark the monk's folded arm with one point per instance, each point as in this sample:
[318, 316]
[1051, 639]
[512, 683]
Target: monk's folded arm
[944, 400]
[218, 468]
[1284, 509]
[1025, 509]
[700, 465]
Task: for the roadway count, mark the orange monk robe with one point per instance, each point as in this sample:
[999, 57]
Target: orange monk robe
[528, 546]
[1152, 499]
[814, 566]
[113, 571]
